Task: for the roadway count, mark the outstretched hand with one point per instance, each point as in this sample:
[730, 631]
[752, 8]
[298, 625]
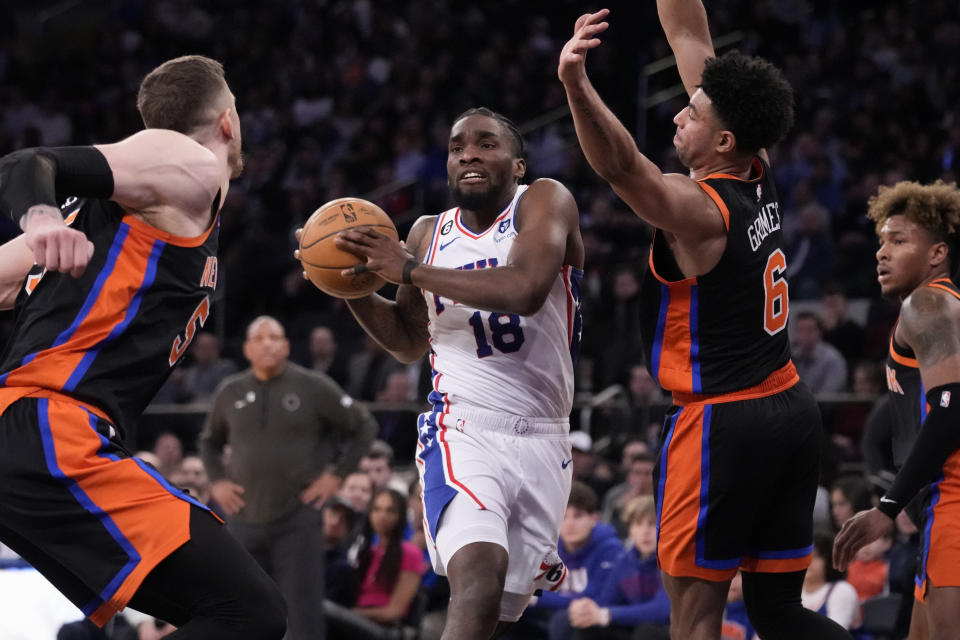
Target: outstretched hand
[574, 55]
[385, 256]
[860, 530]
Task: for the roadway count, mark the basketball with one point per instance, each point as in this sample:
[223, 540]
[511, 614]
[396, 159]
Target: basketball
[323, 261]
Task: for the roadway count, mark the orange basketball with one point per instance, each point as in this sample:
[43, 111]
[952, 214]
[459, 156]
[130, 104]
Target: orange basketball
[323, 261]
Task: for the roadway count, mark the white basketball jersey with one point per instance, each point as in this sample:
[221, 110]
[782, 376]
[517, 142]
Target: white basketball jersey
[520, 365]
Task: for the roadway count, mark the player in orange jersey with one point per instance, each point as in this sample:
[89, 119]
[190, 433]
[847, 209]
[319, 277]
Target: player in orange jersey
[919, 226]
[112, 286]
[744, 431]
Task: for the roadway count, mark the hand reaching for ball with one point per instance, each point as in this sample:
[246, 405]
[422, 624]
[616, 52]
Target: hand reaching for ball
[384, 255]
[334, 269]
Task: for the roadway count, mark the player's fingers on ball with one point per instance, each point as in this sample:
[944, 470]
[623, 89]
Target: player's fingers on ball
[296, 254]
[298, 233]
[304, 274]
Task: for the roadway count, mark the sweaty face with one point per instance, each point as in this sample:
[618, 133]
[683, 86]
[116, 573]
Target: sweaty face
[482, 167]
[903, 259]
[697, 129]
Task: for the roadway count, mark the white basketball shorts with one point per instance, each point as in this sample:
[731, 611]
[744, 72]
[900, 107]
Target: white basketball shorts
[513, 473]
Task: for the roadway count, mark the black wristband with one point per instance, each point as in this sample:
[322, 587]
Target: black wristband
[889, 507]
[408, 268]
[38, 175]
[26, 179]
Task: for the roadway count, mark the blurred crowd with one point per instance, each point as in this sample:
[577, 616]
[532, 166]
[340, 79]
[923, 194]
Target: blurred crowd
[355, 97]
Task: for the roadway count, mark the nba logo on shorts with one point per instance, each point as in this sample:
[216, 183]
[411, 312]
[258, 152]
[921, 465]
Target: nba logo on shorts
[461, 423]
[521, 426]
[945, 399]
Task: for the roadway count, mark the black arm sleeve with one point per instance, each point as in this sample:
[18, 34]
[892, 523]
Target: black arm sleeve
[938, 438]
[35, 176]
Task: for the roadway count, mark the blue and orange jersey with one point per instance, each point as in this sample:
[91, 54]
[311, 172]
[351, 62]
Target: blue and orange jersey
[723, 331]
[908, 398]
[111, 337]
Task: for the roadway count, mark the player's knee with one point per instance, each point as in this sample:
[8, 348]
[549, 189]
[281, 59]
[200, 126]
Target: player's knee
[481, 595]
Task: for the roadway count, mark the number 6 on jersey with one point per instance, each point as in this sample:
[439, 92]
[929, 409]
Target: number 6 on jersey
[776, 304]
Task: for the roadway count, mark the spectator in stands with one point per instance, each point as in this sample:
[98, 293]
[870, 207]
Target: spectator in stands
[377, 463]
[367, 370]
[639, 482]
[202, 377]
[838, 328]
[647, 402]
[192, 476]
[339, 576]
[819, 364]
[398, 427]
[357, 491]
[849, 495]
[632, 603]
[588, 467]
[810, 248]
[870, 568]
[589, 548]
[389, 571]
[824, 588]
[325, 356]
[169, 451]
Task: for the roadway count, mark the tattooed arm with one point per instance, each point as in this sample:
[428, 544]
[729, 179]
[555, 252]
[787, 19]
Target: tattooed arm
[930, 325]
[671, 202]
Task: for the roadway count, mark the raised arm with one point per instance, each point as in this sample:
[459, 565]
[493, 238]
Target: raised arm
[548, 221]
[671, 202]
[685, 24]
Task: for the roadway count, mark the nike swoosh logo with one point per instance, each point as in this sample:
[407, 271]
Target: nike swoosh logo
[444, 245]
[885, 499]
[565, 463]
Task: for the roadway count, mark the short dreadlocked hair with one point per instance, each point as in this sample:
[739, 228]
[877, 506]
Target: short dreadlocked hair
[935, 207]
[751, 97]
[520, 146]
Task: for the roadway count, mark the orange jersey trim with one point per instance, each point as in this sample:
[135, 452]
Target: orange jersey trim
[755, 164]
[899, 359]
[53, 367]
[135, 502]
[780, 380]
[145, 228]
[724, 211]
[936, 285]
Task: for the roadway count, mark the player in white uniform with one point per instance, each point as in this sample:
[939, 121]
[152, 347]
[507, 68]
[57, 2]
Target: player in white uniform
[491, 290]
